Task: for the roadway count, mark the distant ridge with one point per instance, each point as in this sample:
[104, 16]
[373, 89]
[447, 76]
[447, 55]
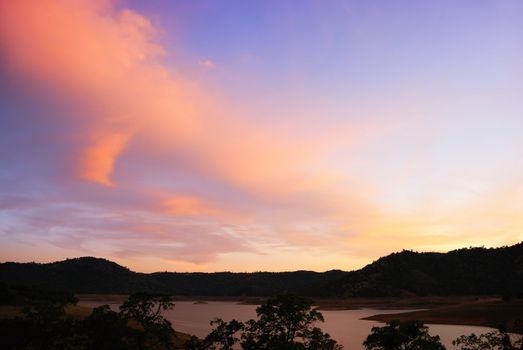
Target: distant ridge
[469, 271]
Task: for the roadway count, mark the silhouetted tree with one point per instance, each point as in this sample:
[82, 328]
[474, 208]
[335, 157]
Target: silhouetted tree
[285, 322]
[146, 310]
[411, 335]
[43, 325]
[495, 340]
[223, 337]
[105, 329]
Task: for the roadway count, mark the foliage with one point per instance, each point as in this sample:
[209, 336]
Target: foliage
[44, 326]
[105, 329]
[285, 322]
[411, 335]
[224, 336]
[495, 340]
[23, 295]
[147, 309]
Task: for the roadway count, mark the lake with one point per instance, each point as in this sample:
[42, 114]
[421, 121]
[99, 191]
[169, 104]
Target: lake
[345, 326]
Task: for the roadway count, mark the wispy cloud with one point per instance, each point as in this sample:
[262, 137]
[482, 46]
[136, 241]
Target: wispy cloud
[207, 63]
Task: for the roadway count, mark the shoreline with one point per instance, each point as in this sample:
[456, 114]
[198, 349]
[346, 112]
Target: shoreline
[507, 316]
[352, 303]
[485, 311]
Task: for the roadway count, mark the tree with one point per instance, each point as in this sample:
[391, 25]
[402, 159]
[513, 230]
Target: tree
[223, 337]
[411, 335]
[495, 340]
[44, 325]
[285, 322]
[146, 311]
[317, 340]
[105, 329]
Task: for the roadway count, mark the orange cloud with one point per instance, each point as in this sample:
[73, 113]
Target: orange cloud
[190, 206]
[98, 57]
[107, 61]
[98, 160]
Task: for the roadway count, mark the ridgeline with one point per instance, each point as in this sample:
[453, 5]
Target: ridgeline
[469, 271]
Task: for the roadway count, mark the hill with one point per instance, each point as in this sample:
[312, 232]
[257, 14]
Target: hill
[470, 271]
[101, 276]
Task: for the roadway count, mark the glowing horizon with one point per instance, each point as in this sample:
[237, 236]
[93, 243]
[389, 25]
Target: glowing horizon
[275, 136]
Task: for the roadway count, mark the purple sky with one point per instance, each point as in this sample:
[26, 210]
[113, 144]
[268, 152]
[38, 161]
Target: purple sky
[259, 135]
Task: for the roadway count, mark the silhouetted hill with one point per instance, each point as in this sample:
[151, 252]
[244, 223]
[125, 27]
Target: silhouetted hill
[100, 276]
[84, 275]
[248, 284]
[472, 271]
[469, 271]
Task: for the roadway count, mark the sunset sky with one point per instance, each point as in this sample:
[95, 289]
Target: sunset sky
[258, 135]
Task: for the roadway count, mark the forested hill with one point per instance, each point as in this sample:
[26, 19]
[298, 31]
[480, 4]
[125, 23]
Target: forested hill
[101, 276]
[473, 271]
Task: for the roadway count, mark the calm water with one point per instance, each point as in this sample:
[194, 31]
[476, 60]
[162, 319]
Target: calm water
[345, 326]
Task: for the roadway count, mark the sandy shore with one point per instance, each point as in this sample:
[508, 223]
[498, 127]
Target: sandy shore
[489, 313]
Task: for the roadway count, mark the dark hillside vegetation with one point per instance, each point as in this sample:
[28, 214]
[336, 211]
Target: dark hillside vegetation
[470, 271]
[101, 276]
[42, 322]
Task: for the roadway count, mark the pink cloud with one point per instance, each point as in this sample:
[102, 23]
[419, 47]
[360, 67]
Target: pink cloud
[107, 61]
[152, 164]
[124, 102]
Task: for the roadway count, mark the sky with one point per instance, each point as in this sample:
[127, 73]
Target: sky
[261, 135]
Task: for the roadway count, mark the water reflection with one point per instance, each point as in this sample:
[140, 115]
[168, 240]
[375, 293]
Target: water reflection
[345, 326]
